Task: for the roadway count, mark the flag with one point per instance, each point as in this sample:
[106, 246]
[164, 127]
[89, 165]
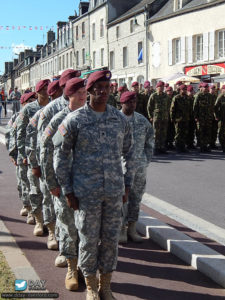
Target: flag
[140, 55]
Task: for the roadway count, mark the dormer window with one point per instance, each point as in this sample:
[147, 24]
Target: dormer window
[178, 4]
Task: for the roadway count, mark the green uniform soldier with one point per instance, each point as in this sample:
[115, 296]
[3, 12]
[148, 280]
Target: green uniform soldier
[158, 112]
[171, 128]
[212, 91]
[140, 108]
[220, 116]
[146, 95]
[192, 124]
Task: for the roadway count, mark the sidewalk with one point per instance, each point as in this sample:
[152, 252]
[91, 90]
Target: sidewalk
[144, 271]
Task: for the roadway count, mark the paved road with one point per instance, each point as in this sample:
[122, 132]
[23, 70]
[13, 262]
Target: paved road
[193, 182]
[144, 271]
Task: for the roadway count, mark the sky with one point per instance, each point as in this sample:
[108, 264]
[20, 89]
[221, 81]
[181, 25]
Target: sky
[34, 15]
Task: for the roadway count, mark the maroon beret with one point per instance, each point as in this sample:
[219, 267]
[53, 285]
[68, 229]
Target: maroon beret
[135, 83]
[111, 84]
[212, 86]
[183, 87]
[179, 83]
[27, 96]
[73, 85]
[53, 87]
[22, 99]
[205, 84]
[169, 89]
[126, 96]
[41, 84]
[121, 88]
[67, 75]
[223, 87]
[166, 85]
[190, 88]
[104, 75]
[115, 84]
[160, 84]
[146, 84]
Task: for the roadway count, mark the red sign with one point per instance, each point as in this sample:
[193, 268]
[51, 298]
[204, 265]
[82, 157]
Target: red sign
[205, 69]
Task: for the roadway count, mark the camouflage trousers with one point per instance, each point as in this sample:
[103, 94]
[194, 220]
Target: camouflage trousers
[130, 210]
[67, 232]
[191, 132]
[47, 203]
[222, 134]
[214, 132]
[35, 192]
[160, 129]
[19, 186]
[170, 133]
[24, 184]
[204, 130]
[181, 133]
[98, 222]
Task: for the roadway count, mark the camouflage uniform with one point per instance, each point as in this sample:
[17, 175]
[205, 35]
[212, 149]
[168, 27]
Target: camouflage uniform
[140, 107]
[23, 120]
[143, 147]
[180, 112]
[220, 115]
[33, 154]
[8, 129]
[158, 110]
[214, 125]
[112, 100]
[145, 98]
[203, 112]
[96, 179]
[118, 104]
[67, 232]
[192, 124]
[170, 129]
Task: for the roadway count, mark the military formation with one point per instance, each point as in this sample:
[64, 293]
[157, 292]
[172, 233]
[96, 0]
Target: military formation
[81, 149]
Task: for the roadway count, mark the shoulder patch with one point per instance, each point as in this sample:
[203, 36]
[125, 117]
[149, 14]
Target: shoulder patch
[42, 115]
[21, 115]
[48, 131]
[62, 130]
[33, 121]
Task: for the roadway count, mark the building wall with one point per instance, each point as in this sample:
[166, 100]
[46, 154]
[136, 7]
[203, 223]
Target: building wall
[162, 35]
[135, 70]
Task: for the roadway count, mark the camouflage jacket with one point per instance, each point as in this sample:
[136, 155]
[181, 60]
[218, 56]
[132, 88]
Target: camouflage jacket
[140, 108]
[24, 117]
[97, 145]
[158, 106]
[203, 107]
[112, 100]
[8, 129]
[12, 146]
[143, 136]
[47, 148]
[180, 109]
[220, 108]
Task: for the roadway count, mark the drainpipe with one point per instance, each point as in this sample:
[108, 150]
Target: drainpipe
[146, 42]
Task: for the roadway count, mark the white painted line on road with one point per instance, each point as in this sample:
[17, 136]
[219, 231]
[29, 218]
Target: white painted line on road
[2, 139]
[208, 229]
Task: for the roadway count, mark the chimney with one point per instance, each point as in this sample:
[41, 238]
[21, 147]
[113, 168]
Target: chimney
[10, 66]
[50, 36]
[21, 56]
[60, 24]
[6, 67]
[38, 47]
[15, 62]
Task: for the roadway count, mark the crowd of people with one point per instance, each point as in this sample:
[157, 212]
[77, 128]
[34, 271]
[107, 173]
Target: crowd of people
[81, 169]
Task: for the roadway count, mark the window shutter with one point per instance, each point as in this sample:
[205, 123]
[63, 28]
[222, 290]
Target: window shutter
[170, 53]
[211, 45]
[190, 49]
[182, 55]
[205, 46]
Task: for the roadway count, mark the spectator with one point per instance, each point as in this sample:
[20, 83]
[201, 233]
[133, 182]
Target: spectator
[15, 96]
[3, 99]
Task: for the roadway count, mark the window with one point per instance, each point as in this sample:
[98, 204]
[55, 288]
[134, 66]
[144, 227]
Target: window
[140, 53]
[131, 26]
[83, 56]
[117, 32]
[125, 57]
[83, 29]
[77, 32]
[101, 28]
[77, 58]
[67, 60]
[221, 43]
[94, 59]
[177, 48]
[102, 57]
[93, 31]
[177, 5]
[60, 63]
[111, 60]
[71, 59]
[63, 62]
[199, 47]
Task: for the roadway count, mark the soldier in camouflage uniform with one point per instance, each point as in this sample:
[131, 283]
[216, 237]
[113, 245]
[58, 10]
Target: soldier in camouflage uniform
[171, 128]
[68, 245]
[97, 135]
[213, 92]
[143, 144]
[158, 112]
[54, 90]
[146, 95]
[24, 117]
[192, 123]
[180, 112]
[204, 115]
[121, 90]
[140, 106]
[220, 116]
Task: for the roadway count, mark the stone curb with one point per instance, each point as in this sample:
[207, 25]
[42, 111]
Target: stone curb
[199, 256]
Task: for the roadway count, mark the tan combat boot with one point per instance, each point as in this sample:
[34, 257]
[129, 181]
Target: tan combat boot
[24, 211]
[92, 288]
[123, 235]
[30, 218]
[132, 233]
[71, 281]
[60, 261]
[38, 228]
[52, 243]
[104, 291]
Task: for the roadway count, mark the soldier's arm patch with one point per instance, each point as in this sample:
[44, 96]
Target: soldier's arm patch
[42, 115]
[48, 131]
[33, 122]
[62, 130]
[21, 115]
